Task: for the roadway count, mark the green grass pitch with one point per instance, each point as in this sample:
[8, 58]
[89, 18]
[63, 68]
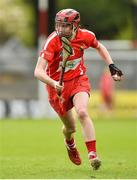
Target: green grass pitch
[34, 149]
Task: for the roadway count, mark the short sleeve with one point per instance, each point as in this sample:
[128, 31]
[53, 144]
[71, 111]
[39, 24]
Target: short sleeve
[48, 49]
[91, 39]
[94, 43]
[46, 54]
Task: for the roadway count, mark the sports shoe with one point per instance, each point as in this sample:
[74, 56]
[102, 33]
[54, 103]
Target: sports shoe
[94, 160]
[74, 155]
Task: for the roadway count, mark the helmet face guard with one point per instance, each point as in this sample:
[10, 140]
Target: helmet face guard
[67, 22]
[63, 29]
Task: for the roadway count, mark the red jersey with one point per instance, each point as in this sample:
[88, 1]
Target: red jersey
[52, 51]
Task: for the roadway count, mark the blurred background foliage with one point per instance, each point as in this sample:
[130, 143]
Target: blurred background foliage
[108, 19]
[17, 18]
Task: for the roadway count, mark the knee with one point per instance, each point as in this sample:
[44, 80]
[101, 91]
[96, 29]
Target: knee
[82, 113]
[69, 130]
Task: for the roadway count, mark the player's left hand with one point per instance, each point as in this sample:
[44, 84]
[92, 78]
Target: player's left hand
[115, 72]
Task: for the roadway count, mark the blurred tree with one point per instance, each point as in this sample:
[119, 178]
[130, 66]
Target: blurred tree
[17, 19]
[108, 19]
[134, 11]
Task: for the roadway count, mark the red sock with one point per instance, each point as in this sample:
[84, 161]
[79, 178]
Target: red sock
[70, 143]
[91, 146]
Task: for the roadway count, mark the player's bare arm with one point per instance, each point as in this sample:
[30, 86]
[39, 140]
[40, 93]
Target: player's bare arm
[40, 74]
[104, 54]
[115, 72]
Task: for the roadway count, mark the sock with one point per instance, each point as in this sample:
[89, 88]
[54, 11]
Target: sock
[70, 143]
[91, 146]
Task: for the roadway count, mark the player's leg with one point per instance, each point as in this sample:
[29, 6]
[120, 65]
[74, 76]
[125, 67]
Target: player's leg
[80, 101]
[69, 128]
[69, 125]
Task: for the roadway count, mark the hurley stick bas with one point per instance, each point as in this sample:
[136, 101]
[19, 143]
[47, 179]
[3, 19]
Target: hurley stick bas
[66, 52]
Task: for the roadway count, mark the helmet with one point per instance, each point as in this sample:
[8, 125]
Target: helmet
[67, 18]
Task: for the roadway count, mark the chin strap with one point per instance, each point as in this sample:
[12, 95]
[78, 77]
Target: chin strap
[74, 31]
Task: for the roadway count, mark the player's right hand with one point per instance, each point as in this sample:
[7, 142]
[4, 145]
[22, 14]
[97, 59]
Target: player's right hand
[58, 87]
